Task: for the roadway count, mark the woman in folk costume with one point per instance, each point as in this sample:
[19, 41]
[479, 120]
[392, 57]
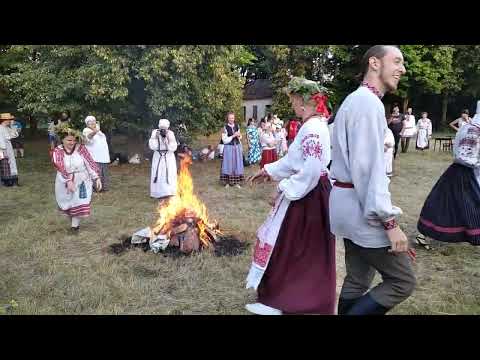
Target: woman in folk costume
[389, 145]
[424, 132]
[253, 140]
[281, 139]
[293, 267]
[462, 120]
[231, 172]
[395, 123]
[8, 164]
[76, 172]
[96, 143]
[409, 129]
[292, 128]
[451, 212]
[163, 178]
[269, 145]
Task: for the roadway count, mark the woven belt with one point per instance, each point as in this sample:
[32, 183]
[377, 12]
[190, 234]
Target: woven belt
[343, 185]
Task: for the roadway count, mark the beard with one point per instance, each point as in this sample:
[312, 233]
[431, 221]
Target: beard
[389, 86]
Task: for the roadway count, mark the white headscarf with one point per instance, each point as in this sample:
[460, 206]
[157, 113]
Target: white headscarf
[89, 119]
[163, 124]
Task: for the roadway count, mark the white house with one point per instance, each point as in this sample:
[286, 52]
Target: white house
[257, 99]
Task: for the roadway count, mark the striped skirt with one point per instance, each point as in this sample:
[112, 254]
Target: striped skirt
[232, 165]
[451, 212]
[6, 174]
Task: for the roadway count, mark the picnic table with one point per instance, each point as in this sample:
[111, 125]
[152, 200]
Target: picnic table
[447, 145]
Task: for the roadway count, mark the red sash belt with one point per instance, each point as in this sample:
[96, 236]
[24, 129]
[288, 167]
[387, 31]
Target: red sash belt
[343, 185]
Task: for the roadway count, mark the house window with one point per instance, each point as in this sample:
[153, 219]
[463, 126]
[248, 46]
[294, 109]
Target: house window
[254, 112]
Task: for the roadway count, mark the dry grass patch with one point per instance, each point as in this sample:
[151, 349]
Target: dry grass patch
[48, 271]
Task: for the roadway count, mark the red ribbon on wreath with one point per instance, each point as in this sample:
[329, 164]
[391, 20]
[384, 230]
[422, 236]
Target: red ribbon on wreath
[321, 101]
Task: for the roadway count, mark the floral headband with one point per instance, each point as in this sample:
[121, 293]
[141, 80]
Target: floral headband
[310, 90]
[63, 130]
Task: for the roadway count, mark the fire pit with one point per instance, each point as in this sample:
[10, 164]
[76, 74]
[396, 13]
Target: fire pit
[225, 246]
[182, 225]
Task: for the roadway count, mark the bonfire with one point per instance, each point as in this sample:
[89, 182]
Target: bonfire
[182, 226]
[182, 219]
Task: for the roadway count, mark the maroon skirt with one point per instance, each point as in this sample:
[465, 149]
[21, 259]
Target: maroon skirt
[301, 276]
[268, 156]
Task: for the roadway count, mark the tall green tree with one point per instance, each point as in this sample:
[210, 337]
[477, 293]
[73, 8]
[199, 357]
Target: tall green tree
[468, 57]
[431, 69]
[195, 85]
[128, 86]
[83, 79]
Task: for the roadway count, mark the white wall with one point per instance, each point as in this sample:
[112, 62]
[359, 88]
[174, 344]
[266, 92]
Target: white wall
[261, 103]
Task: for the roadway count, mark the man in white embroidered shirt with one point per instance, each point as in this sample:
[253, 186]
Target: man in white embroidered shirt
[361, 209]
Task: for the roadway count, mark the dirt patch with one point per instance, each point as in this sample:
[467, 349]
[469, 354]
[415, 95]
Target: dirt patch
[230, 246]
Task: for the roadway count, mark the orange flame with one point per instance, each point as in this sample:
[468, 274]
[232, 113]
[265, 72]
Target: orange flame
[184, 204]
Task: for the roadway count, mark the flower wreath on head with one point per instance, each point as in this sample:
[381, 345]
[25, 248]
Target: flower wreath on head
[63, 129]
[310, 90]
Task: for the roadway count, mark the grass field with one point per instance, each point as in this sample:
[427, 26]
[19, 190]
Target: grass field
[45, 270]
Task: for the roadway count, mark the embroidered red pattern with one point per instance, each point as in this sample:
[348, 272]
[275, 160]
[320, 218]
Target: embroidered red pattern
[467, 142]
[86, 155]
[474, 129]
[261, 254]
[373, 89]
[80, 210]
[58, 155]
[311, 146]
[390, 224]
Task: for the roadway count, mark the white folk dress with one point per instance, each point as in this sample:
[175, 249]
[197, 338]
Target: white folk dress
[295, 249]
[97, 146]
[298, 174]
[163, 178]
[358, 158]
[281, 138]
[410, 128]
[82, 169]
[388, 154]
[466, 147]
[6, 134]
[424, 131]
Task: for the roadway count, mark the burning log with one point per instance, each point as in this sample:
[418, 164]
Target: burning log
[188, 240]
[179, 229]
[211, 234]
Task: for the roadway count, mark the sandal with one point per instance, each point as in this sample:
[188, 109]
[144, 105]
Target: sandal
[421, 241]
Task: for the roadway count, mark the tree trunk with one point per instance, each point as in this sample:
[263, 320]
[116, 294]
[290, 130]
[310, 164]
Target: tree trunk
[33, 125]
[405, 104]
[108, 136]
[443, 122]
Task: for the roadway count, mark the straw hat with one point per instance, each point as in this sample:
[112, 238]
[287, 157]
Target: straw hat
[6, 117]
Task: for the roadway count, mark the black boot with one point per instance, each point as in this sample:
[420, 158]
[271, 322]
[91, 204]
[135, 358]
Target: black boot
[8, 182]
[367, 306]
[344, 305]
